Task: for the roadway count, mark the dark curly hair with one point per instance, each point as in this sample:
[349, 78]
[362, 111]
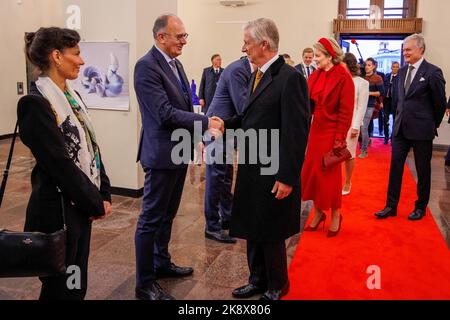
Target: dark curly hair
[352, 64]
[40, 44]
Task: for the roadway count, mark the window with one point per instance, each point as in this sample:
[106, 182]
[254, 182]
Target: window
[387, 9]
[358, 9]
[395, 9]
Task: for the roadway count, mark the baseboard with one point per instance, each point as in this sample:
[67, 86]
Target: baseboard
[6, 136]
[131, 193]
[440, 147]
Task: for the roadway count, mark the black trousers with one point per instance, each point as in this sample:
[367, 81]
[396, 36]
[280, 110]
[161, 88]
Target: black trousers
[77, 255]
[387, 111]
[268, 264]
[423, 152]
[447, 158]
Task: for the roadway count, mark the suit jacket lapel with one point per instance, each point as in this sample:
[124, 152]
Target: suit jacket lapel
[401, 82]
[417, 78]
[165, 66]
[265, 82]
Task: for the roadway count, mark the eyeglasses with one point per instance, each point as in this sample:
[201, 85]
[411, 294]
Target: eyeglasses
[179, 37]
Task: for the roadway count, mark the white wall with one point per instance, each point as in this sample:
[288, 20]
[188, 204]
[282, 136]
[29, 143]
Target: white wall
[16, 20]
[301, 23]
[119, 132]
[436, 28]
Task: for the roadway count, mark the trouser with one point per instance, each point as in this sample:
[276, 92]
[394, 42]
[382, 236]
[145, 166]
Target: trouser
[423, 151]
[365, 129]
[77, 255]
[447, 158]
[268, 264]
[218, 195]
[162, 196]
[387, 111]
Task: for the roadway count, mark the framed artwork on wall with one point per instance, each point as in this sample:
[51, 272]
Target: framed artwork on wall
[104, 78]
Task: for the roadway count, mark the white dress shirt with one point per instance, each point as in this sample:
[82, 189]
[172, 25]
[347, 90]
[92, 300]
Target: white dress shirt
[266, 67]
[414, 72]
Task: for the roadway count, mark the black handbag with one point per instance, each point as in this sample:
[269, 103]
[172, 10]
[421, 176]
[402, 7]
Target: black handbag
[31, 254]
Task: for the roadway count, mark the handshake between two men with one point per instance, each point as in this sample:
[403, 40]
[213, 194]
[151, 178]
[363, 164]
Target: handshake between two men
[216, 127]
[217, 130]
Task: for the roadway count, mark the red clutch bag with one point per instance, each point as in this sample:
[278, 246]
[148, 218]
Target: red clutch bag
[335, 157]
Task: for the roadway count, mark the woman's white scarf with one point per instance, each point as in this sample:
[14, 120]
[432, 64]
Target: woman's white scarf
[77, 146]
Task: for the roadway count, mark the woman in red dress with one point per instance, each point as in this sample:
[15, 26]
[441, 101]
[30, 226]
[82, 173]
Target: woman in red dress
[332, 95]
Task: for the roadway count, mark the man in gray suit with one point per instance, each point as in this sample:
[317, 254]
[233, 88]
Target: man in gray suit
[228, 101]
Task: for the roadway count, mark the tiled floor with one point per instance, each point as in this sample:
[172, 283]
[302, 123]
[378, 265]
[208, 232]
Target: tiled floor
[218, 268]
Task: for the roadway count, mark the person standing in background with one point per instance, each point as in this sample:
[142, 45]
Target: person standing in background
[361, 100]
[306, 68]
[391, 98]
[210, 79]
[376, 92]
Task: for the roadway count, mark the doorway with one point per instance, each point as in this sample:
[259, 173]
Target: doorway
[385, 49]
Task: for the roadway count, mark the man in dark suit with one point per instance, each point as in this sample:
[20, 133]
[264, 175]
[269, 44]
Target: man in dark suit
[306, 68]
[381, 113]
[266, 205]
[447, 157]
[210, 79]
[391, 98]
[228, 102]
[420, 110]
[162, 89]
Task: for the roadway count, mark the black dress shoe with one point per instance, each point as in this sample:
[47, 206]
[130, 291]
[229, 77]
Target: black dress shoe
[220, 236]
[275, 294]
[386, 213]
[173, 271]
[417, 214]
[152, 292]
[225, 225]
[247, 291]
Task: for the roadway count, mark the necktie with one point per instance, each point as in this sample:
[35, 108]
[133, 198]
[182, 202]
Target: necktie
[173, 66]
[259, 76]
[409, 79]
[308, 71]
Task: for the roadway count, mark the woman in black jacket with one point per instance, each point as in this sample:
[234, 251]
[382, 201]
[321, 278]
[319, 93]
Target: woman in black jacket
[55, 125]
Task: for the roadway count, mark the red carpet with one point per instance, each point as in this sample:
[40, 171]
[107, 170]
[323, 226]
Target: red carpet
[413, 256]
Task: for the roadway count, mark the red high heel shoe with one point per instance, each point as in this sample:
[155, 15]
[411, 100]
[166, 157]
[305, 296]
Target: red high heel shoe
[322, 220]
[332, 234]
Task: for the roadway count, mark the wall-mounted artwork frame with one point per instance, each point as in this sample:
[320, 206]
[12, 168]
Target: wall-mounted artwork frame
[103, 82]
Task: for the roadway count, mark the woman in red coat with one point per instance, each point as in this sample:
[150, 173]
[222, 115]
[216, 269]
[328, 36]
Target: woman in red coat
[332, 95]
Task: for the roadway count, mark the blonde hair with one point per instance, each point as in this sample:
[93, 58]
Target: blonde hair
[337, 49]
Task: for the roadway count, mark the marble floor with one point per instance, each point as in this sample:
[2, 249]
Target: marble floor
[219, 268]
